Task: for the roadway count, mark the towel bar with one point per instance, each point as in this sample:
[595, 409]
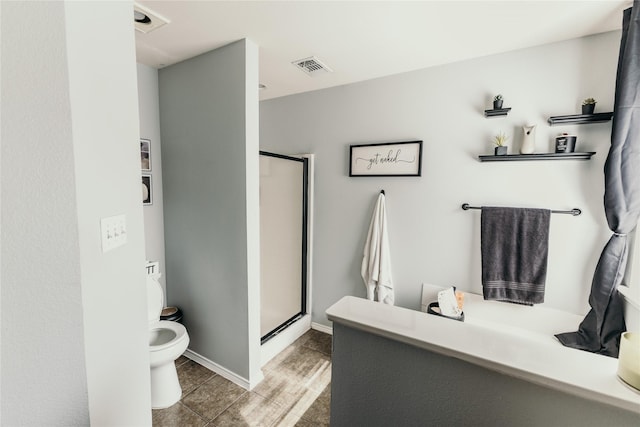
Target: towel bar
[574, 211]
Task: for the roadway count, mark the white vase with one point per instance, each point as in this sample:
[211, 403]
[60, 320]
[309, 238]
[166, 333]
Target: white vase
[529, 140]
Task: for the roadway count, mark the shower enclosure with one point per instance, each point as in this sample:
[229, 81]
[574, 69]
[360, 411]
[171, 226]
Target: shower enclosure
[284, 217]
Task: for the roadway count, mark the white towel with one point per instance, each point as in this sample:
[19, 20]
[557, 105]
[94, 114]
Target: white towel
[376, 263]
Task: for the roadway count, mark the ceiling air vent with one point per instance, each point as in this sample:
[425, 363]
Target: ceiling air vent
[146, 20]
[312, 66]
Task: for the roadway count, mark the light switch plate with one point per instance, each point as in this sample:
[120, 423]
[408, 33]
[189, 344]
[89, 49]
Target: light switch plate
[114, 232]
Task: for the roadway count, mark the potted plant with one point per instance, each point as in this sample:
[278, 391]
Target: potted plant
[588, 106]
[497, 102]
[500, 140]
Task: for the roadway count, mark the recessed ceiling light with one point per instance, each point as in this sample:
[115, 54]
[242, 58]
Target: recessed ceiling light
[146, 20]
[141, 17]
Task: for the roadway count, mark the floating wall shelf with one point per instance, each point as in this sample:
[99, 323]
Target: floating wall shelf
[497, 112]
[578, 119]
[537, 156]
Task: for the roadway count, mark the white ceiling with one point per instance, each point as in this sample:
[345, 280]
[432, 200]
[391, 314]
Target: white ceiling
[361, 40]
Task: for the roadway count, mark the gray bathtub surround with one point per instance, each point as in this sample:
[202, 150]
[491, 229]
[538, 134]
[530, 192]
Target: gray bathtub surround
[393, 366]
[419, 388]
[601, 328]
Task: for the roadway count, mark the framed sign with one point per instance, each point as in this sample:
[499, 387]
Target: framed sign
[386, 159]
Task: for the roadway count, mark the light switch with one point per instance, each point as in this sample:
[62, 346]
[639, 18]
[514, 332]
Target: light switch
[114, 232]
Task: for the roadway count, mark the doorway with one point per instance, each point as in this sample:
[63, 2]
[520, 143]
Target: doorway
[284, 241]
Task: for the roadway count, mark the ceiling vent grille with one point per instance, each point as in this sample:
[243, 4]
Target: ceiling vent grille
[146, 20]
[312, 66]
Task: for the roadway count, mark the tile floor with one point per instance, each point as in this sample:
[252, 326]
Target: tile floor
[296, 391]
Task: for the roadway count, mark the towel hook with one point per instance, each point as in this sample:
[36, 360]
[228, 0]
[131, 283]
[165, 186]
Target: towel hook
[382, 192]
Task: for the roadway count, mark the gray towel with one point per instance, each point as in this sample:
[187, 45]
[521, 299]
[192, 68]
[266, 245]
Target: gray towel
[514, 247]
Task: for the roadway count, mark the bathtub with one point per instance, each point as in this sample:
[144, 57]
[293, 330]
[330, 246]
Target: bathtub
[501, 366]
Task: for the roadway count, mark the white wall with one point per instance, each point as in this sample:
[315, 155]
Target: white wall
[209, 124]
[1, 48]
[148, 103]
[104, 106]
[75, 334]
[432, 239]
[41, 292]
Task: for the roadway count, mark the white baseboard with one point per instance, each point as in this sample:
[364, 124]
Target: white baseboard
[224, 372]
[284, 339]
[322, 328]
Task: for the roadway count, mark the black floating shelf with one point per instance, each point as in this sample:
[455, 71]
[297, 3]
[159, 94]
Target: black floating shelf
[497, 112]
[537, 156]
[578, 119]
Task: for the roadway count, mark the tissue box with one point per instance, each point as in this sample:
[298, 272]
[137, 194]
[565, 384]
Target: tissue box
[429, 295]
[430, 298]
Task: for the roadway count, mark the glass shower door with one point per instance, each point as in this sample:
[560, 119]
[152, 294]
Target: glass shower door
[283, 234]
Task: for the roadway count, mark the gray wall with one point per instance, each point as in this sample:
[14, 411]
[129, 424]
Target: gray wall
[432, 240]
[380, 382]
[75, 335]
[149, 108]
[209, 124]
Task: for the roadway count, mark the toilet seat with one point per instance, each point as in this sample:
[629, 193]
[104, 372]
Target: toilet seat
[163, 334]
[157, 334]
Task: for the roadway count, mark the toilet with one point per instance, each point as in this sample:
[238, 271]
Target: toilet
[167, 341]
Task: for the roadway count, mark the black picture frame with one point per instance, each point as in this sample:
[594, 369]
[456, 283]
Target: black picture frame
[386, 159]
[147, 190]
[145, 155]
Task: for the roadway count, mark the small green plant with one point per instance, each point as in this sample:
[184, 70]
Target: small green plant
[588, 101]
[500, 139]
[498, 97]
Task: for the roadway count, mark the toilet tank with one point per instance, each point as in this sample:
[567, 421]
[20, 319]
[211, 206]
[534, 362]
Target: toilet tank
[155, 296]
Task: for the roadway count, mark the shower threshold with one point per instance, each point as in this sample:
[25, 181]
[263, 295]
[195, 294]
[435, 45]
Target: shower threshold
[280, 328]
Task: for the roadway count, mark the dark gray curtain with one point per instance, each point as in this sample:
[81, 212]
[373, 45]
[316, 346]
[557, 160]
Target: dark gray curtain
[600, 330]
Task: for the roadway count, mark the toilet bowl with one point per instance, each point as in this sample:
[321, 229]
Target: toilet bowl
[167, 341]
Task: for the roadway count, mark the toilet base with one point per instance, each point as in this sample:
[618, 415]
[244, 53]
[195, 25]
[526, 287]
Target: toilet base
[165, 387]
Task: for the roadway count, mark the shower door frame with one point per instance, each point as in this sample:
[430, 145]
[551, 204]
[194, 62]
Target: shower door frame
[304, 279]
